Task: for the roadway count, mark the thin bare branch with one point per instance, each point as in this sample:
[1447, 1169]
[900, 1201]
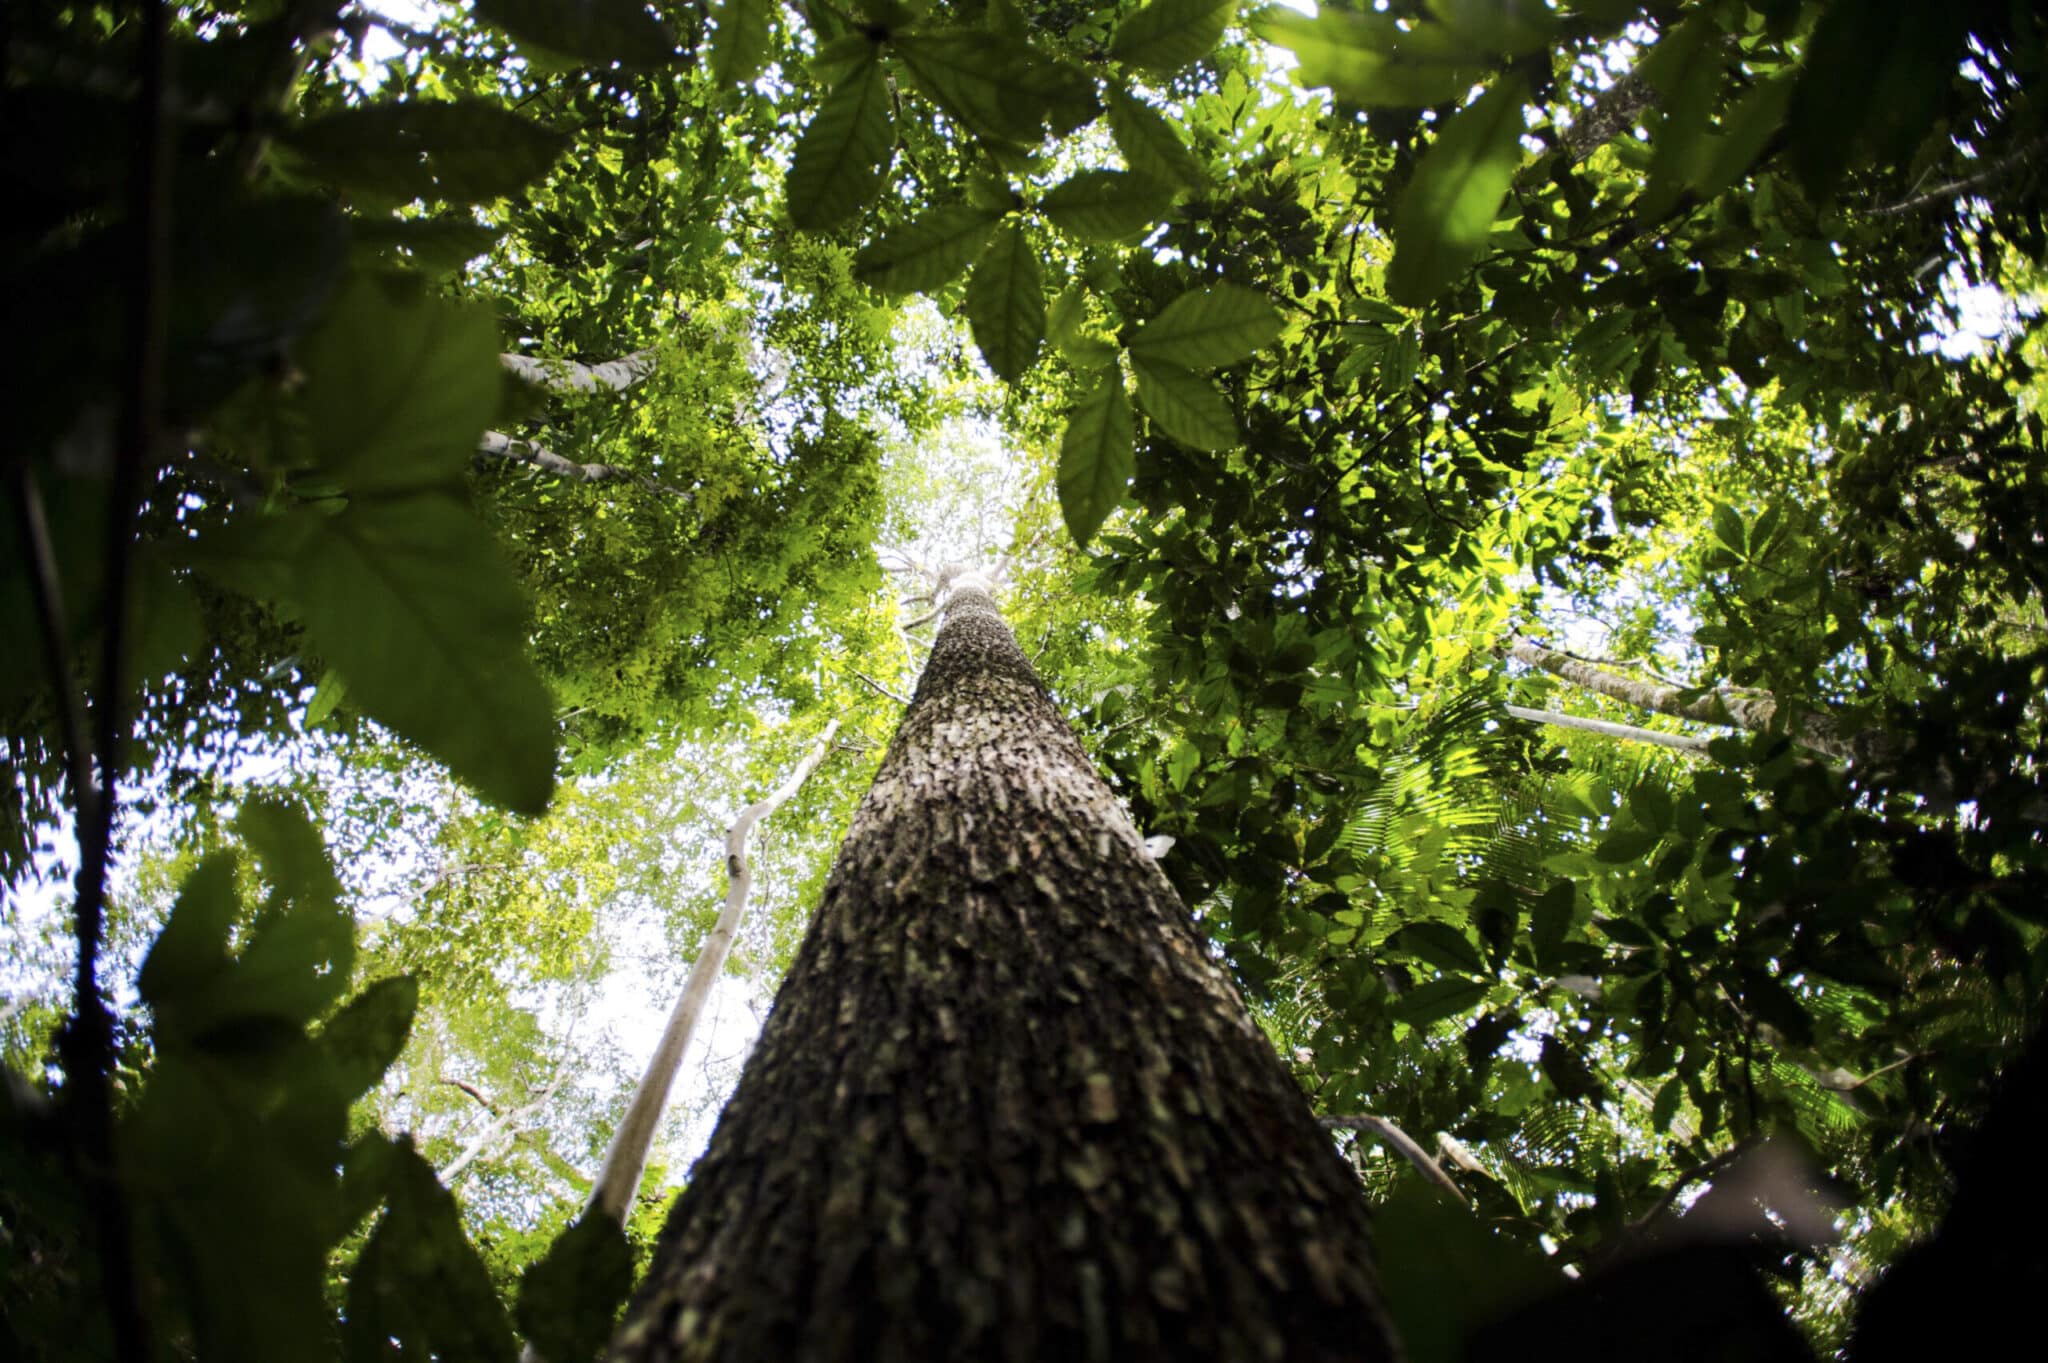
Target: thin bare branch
[1402, 1144]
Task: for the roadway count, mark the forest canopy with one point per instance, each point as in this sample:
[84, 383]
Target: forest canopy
[1538, 507]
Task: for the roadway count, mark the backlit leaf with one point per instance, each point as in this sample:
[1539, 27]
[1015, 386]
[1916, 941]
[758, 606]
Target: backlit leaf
[1149, 143]
[1106, 205]
[598, 31]
[923, 255]
[1095, 457]
[1166, 35]
[462, 151]
[739, 47]
[844, 152]
[1447, 211]
[1186, 406]
[1006, 304]
[1205, 328]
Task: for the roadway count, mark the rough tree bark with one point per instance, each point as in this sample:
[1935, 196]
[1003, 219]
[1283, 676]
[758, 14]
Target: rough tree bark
[1007, 1105]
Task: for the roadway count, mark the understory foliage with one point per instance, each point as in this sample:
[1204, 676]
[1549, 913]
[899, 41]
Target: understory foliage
[452, 472]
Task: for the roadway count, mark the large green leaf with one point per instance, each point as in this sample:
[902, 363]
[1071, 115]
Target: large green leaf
[597, 31]
[463, 151]
[1204, 328]
[1166, 35]
[411, 602]
[360, 1042]
[1446, 213]
[1149, 143]
[1006, 304]
[399, 386]
[1187, 406]
[1457, 1273]
[843, 154]
[1361, 58]
[1000, 90]
[570, 1296]
[739, 48]
[419, 1282]
[1106, 205]
[925, 254]
[1095, 457]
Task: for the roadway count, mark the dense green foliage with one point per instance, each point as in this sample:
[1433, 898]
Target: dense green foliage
[525, 395]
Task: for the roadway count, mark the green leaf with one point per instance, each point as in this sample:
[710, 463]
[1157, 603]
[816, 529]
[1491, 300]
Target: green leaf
[1728, 528]
[1440, 945]
[419, 1282]
[922, 256]
[1623, 846]
[1437, 1000]
[1205, 328]
[1665, 1106]
[1650, 803]
[1096, 461]
[844, 153]
[462, 151]
[1550, 919]
[1006, 304]
[1186, 406]
[399, 386]
[1678, 125]
[1566, 1070]
[192, 950]
[1454, 1272]
[302, 948]
[739, 47]
[1149, 144]
[598, 31]
[999, 90]
[1166, 35]
[1106, 205]
[362, 1040]
[329, 694]
[570, 1296]
[1181, 764]
[438, 246]
[1359, 57]
[411, 601]
[1446, 214]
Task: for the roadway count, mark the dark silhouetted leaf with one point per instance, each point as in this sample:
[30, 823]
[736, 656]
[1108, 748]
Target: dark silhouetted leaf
[1446, 213]
[570, 1296]
[844, 153]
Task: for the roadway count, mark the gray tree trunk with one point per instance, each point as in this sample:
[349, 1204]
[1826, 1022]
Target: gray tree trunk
[1008, 1106]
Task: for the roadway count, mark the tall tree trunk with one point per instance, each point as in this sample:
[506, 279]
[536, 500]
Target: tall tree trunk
[1008, 1106]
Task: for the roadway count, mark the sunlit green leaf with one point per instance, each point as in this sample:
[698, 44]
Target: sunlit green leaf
[399, 386]
[1166, 35]
[1208, 327]
[1447, 211]
[844, 153]
[739, 46]
[1149, 143]
[1106, 205]
[1096, 459]
[1006, 304]
[1187, 406]
[922, 256]
[1358, 57]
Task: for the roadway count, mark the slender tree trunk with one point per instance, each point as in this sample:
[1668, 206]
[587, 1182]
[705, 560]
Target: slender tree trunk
[1008, 1106]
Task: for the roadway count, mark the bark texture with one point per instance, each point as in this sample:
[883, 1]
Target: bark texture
[1007, 1105]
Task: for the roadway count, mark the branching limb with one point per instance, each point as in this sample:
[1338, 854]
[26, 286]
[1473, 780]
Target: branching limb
[1630, 732]
[567, 376]
[1402, 1145]
[496, 445]
[502, 1123]
[880, 689]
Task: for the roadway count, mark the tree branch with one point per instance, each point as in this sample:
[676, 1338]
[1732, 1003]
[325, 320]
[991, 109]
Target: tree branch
[567, 376]
[1403, 1146]
[498, 445]
[1990, 173]
[1629, 732]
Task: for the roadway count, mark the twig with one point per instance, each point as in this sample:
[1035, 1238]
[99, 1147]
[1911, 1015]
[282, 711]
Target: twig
[1402, 1144]
[473, 1091]
[880, 689]
[1995, 170]
[1706, 1168]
